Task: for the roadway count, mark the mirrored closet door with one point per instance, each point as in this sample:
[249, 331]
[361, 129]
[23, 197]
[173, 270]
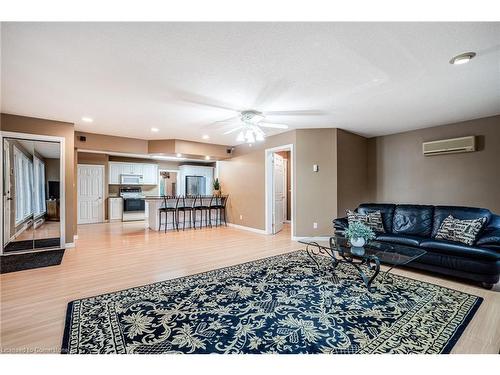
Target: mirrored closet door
[31, 195]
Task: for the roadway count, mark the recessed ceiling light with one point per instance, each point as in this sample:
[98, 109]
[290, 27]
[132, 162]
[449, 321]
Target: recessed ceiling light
[205, 136]
[87, 119]
[179, 155]
[155, 130]
[207, 157]
[463, 58]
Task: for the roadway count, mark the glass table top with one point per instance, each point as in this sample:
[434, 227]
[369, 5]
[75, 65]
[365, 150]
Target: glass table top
[388, 253]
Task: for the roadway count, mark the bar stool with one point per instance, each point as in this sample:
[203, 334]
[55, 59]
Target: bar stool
[220, 207]
[169, 205]
[188, 203]
[200, 206]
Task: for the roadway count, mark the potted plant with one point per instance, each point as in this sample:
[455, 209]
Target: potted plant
[216, 186]
[358, 233]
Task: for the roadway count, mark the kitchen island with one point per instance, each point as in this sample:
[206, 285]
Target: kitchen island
[154, 203]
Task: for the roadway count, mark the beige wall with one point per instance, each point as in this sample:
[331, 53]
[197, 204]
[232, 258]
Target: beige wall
[315, 192]
[352, 171]
[398, 172]
[100, 142]
[243, 176]
[32, 125]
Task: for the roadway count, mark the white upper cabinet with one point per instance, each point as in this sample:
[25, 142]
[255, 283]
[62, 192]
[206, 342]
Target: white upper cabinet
[148, 171]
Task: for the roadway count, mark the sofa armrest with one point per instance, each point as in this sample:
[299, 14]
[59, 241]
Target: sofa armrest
[341, 223]
[490, 238]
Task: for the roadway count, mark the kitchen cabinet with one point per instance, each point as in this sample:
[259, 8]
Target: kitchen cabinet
[149, 171]
[115, 208]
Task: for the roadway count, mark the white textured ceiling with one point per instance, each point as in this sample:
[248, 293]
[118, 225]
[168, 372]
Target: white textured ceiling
[369, 78]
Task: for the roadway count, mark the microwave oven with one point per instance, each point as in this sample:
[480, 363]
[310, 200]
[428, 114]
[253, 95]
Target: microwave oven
[131, 179]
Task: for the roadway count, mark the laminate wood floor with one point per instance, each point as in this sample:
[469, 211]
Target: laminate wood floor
[113, 256]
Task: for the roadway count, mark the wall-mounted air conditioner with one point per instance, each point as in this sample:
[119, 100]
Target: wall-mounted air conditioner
[449, 146]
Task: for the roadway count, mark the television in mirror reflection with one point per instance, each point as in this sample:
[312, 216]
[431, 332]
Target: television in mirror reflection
[31, 180]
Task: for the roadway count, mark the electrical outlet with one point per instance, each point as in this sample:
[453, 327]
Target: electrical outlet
[315, 225]
[241, 217]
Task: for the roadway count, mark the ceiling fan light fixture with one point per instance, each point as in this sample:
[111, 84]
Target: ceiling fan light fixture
[250, 137]
[241, 137]
[463, 58]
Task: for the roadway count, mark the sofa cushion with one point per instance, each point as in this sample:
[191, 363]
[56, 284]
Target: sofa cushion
[464, 231]
[372, 220]
[386, 210]
[413, 220]
[458, 249]
[490, 237]
[402, 239]
[463, 213]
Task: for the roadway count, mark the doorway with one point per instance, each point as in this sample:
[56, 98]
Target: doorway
[279, 189]
[90, 194]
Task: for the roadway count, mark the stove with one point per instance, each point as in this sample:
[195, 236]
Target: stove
[133, 204]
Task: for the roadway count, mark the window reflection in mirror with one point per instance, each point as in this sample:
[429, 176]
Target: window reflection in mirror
[31, 195]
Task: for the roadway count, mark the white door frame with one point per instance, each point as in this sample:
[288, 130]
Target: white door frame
[103, 189]
[62, 174]
[268, 154]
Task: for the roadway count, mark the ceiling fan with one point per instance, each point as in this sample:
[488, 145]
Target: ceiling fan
[250, 123]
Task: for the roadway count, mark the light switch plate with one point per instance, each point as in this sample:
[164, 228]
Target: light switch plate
[315, 225]
[315, 168]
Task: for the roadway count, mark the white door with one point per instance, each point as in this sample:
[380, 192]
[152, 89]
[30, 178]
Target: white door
[278, 193]
[7, 196]
[90, 194]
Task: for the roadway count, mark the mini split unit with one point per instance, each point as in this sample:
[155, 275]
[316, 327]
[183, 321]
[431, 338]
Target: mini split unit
[449, 146]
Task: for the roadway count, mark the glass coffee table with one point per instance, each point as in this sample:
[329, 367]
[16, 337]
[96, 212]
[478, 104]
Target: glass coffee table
[371, 255]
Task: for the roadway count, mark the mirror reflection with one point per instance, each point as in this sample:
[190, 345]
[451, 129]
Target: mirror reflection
[31, 195]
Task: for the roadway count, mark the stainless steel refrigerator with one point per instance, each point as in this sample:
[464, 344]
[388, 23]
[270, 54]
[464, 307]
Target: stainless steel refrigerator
[195, 185]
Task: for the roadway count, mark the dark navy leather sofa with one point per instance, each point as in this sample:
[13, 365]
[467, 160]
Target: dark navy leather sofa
[417, 225]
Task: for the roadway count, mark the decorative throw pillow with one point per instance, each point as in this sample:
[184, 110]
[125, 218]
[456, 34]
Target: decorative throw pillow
[457, 230]
[372, 220]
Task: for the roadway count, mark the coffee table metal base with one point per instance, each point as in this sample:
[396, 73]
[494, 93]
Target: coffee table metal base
[370, 261]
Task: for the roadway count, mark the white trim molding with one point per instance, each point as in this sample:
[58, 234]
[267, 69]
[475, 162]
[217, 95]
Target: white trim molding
[250, 229]
[70, 245]
[62, 176]
[294, 238]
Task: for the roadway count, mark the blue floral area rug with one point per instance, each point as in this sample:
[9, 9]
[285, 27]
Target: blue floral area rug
[282, 304]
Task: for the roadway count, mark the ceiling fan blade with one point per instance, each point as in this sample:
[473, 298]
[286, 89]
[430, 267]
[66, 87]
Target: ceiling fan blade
[270, 125]
[233, 130]
[193, 98]
[227, 121]
[305, 112]
[270, 92]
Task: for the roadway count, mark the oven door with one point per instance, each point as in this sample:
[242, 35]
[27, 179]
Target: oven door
[133, 205]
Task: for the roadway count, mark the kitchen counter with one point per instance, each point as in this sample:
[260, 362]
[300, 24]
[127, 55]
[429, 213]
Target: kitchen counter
[153, 204]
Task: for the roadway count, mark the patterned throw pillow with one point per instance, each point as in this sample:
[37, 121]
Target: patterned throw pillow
[372, 220]
[457, 230]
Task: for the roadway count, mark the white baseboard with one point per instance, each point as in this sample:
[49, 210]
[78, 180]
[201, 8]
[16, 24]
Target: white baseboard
[255, 230]
[69, 245]
[294, 238]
